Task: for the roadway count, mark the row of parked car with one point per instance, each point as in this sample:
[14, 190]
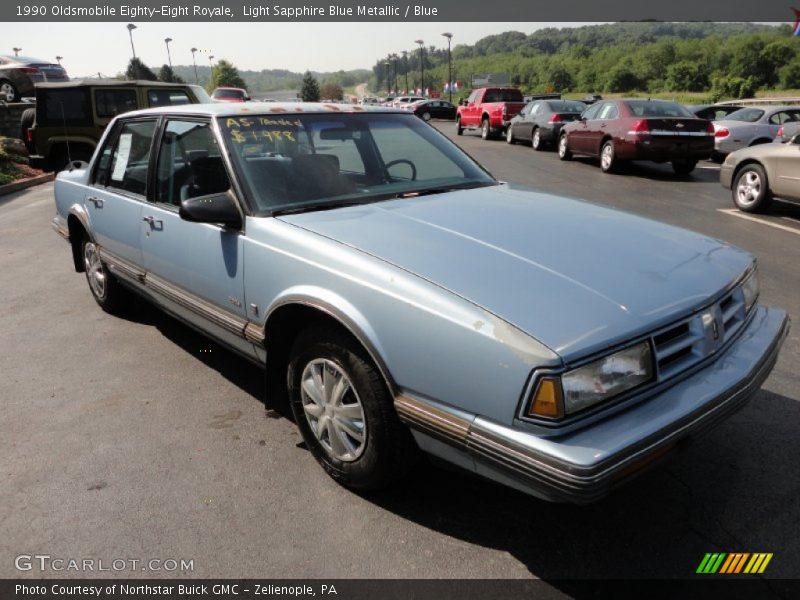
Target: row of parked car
[615, 131]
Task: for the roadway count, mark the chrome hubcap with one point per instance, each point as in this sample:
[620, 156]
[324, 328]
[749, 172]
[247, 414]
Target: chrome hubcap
[536, 139]
[333, 409]
[509, 134]
[748, 188]
[426, 116]
[94, 270]
[562, 145]
[7, 92]
[607, 156]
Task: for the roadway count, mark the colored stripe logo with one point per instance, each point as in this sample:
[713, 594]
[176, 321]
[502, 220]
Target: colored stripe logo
[734, 562]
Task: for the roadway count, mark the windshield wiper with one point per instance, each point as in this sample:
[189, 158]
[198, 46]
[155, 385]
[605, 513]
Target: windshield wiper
[444, 189]
[291, 210]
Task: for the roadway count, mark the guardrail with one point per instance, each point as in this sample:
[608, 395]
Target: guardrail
[761, 101]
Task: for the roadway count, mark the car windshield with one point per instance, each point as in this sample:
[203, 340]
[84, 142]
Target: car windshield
[648, 108]
[748, 115]
[567, 106]
[299, 162]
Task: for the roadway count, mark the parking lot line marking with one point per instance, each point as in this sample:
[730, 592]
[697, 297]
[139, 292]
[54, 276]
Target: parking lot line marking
[736, 213]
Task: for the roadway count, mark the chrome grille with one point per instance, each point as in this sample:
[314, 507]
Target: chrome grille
[682, 345]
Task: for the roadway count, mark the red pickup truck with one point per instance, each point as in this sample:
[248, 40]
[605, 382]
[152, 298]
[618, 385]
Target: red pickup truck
[489, 109]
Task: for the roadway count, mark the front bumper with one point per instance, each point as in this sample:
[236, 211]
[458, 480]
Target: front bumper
[585, 465]
[726, 175]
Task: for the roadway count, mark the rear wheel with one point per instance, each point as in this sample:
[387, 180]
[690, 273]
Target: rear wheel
[345, 412]
[563, 148]
[426, 116]
[510, 134]
[459, 128]
[111, 295]
[683, 167]
[486, 130]
[608, 159]
[536, 139]
[751, 189]
[7, 91]
[26, 121]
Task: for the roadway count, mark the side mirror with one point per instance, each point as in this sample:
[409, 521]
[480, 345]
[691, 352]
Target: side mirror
[216, 208]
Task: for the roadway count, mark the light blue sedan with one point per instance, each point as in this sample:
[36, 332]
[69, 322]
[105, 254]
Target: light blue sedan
[406, 302]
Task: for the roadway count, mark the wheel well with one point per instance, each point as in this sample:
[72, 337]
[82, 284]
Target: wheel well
[76, 234]
[758, 141]
[485, 117]
[282, 328]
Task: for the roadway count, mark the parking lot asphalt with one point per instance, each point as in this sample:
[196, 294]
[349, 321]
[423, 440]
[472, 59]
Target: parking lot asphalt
[137, 438]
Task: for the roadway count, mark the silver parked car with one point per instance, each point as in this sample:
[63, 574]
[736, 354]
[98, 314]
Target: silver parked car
[787, 131]
[405, 301]
[750, 126]
[755, 175]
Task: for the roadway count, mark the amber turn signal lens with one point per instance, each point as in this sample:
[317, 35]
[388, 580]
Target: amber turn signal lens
[547, 401]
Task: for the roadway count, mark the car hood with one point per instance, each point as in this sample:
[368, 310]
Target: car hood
[576, 276]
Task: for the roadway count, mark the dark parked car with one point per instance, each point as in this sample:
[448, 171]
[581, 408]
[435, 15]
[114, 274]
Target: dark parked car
[655, 130]
[433, 109]
[712, 112]
[19, 74]
[540, 122]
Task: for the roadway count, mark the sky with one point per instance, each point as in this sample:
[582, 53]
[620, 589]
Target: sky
[89, 48]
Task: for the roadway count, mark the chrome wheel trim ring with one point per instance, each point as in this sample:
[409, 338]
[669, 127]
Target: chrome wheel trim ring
[748, 188]
[333, 410]
[510, 134]
[485, 128]
[95, 272]
[537, 140]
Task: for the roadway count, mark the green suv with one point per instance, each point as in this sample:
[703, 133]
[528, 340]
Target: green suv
[70, 117]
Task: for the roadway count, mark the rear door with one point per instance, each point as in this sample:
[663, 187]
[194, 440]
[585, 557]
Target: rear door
[118, 191]
[579, 133]
[601, 126]
[195, 268]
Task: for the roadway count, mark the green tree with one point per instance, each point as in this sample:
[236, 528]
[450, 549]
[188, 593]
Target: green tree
[167, 74]
[225, 74]
[622, 79]
[686, 76]
[790, 75]
[309, 89]
[331, 91]
[138, 70]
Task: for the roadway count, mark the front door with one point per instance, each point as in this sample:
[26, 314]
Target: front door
[787, 181]
[195, 268]
[118, 192]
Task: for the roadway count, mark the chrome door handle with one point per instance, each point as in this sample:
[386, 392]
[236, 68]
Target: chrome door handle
[157, 224]
[98, 203]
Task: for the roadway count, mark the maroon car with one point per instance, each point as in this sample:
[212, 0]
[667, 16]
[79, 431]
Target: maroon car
[655, 130]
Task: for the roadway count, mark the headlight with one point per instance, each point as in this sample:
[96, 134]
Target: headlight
[751, 289]
[593, 383]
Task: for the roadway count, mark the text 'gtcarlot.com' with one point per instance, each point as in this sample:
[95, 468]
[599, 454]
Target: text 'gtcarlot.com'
[45, 562]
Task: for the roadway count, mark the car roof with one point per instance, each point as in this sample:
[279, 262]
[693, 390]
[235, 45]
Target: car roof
[219, 109]
[109, 82]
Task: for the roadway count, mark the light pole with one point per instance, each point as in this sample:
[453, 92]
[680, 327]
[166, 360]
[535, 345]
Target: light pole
[169, 56]
[131, 27]
[394, 60]
[388, 66]
[405, 67]
[59, 58]
[449, 37]
[421, 66]
[196, 80]
[17, 51]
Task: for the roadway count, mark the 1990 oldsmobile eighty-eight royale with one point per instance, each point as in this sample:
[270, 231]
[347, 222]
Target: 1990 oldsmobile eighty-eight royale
[405, 300]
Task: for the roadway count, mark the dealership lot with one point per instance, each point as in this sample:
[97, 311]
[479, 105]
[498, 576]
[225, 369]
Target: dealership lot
[138, 439]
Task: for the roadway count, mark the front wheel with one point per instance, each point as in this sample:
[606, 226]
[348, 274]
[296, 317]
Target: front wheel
[683, 167]
[345, 412]
[109, 294]
[426, 116]
[459, 128]
[563, 148]
[751, 190]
